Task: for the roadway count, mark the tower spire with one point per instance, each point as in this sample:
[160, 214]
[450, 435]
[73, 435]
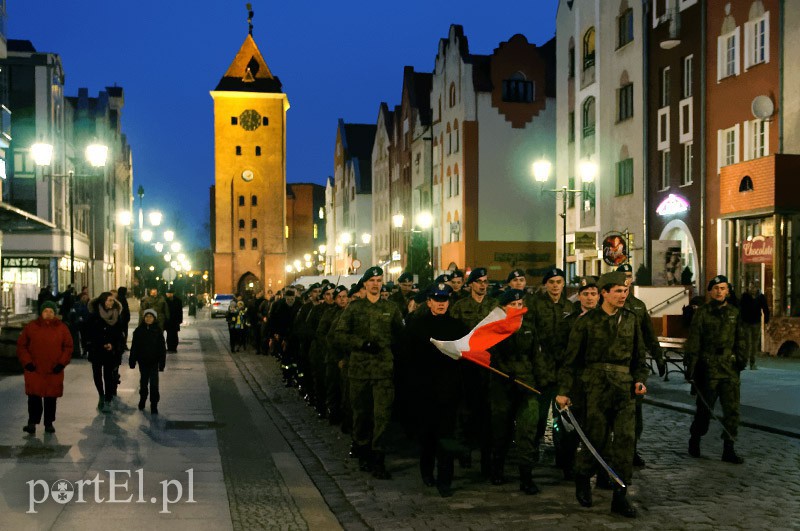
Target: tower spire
[250, 14]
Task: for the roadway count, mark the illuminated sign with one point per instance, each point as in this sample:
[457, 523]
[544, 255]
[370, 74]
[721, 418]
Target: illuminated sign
[615, 250]
[758, 250]
[673, 204]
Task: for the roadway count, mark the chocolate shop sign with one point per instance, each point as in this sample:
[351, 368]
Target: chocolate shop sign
[758, 250]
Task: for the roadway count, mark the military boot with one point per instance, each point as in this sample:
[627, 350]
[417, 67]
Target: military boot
[620, 503]
[364, 458]
[526, 483]
[498, 466]
[729, 455]
[603, 481]
[379, 467]
[583, 490]
[694, 446]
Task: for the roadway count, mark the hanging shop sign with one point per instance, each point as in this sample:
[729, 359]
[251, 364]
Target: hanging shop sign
[673, 204]
[759, 250]
[586, 241]
[615, 250]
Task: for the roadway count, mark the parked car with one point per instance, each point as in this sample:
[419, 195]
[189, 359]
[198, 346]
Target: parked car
[220, 304]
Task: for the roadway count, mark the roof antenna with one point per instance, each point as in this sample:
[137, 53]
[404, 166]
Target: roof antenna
[250, 18]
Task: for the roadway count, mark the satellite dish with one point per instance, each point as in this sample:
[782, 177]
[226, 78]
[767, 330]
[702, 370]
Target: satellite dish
[762, 107]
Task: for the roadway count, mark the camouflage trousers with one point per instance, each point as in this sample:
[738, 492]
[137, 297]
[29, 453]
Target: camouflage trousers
[752, 341]
[515, 412]
[609, 410]
[727, 391]
[371, 402]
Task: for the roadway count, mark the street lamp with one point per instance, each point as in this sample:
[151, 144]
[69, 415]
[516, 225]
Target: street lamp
[346, 238]
[398, 220]
[175, 247]
[147, 235]
[541, 173]
[96, 155]
[366, 238]
[155, 218]
[425, 222]
[169, 235]
[159, 247]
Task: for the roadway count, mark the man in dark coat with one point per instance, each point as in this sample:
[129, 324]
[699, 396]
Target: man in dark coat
[435, 385]
[751, 306]
[174, 320]
[147, 348]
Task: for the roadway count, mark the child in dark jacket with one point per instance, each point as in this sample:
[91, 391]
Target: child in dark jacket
[148, 348]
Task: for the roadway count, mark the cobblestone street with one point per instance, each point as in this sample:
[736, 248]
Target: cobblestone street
[673, 491]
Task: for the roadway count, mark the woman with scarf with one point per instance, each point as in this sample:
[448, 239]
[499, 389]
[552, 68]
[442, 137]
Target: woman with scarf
[105, 342]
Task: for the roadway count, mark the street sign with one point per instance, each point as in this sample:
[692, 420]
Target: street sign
[169, 274]
[356, 264]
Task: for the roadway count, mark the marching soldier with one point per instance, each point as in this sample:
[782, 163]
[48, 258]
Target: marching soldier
[332, 394]
[549, 309]
[606, 345]
[366, 329]
[714, 358]
[474, 420]
[316, 353]
[302, 337]
[515, 410]
[404, 294]
[588, 297]
[457, 283]
[650, 339]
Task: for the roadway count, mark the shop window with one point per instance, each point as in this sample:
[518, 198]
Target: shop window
[746, 184]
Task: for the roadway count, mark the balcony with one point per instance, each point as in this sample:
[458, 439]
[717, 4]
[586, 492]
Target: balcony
[765, 185]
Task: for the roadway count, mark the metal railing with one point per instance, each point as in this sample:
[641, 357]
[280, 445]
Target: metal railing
[668, 301]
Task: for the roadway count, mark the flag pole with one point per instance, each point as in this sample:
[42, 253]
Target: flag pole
[516, 381]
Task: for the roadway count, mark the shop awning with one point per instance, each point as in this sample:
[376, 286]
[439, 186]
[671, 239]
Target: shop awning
[13, 219]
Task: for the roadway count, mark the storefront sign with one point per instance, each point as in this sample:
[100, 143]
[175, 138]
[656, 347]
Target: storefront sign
[586, 240]
[673, 204]
[758, 250]
[615, 250]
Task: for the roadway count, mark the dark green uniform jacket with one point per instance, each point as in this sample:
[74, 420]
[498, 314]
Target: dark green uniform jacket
[715, 342]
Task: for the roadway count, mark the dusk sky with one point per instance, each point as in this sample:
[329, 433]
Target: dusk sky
[335, 60]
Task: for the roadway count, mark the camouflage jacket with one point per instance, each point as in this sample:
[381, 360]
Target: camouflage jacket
[363, 321]
[326, 320]
[715, 344]
[564, 329]
[649, 336]
[607, 348]
[470, 312]
[400, 300]
[334, 352]
[547, 319]
[518, 354]
[157, 303]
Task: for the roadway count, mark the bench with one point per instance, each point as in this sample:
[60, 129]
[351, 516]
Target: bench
[673, 355]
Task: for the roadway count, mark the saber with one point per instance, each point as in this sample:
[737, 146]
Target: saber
[710, 410]
[589, 446]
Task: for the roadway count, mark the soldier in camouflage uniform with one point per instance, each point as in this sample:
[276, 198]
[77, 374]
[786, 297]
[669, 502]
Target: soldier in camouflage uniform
[404, 294]
[588, 297]
[367, 328]
[549, 309]
[316, 352]
[650, 339]
[332, 358]
[474, 417]
[606, 344]
[515, 411]
[714, 357]
[457, 283]
[302, 336]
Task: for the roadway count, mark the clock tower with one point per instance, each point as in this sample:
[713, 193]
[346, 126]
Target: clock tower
[249, 194]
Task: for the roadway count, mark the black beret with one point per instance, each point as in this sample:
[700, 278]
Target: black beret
[384, 289]
[614, 278]
[338, 290]
[625, 268]
[511, 295]
[421, 296]
[517, 273]
[444, 277]
[373, 271]
[440, 292]
[476, 273]
[405, 277]
[555, 272]
[355, 289]
[456, 274]
[326, 288]
[587, 282]
[719, 279]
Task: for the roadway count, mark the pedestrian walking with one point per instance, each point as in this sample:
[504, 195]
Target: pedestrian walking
[158, 303]
[80, 317]
[752, 306]
[125, 314]
[45, 294]
[149, 351]
[237, 325]
[105, 338]
[367, 329]
[714, 357]
[606, 348]
[174, 319]
[44, 348]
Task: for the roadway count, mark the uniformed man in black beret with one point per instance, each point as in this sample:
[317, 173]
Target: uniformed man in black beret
[401, 297]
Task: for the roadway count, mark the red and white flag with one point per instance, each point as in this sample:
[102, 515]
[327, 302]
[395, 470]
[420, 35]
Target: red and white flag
[475, 346]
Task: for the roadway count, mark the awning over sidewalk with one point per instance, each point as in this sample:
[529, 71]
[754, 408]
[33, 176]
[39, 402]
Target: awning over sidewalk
[13, 219]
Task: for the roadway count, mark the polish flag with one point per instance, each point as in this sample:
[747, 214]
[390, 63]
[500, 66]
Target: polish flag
[494, 328]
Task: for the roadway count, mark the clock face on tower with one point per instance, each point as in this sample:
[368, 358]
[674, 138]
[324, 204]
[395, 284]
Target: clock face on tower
[250, 120]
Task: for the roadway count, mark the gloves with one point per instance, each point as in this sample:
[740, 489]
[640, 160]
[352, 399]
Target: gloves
[160, 368]
[662, 369]
[370, 347]
[30, 367]
[58, 368]
[132, 365]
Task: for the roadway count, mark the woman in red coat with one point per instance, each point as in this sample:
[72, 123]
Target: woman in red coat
[44, 348]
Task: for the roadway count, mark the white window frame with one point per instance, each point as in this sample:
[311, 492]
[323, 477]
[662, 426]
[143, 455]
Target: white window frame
[688, 158]
[722, 146]
[685, 128]
[665, 156]
[666, 75]
[663, 116]
[722, 54]
[756, 138]
[688, 67]
[751, 47]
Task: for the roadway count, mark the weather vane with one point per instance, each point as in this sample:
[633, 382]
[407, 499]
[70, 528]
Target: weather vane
[250, 18]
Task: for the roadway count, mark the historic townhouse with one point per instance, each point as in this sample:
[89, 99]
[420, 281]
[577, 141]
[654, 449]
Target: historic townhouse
[382, 234]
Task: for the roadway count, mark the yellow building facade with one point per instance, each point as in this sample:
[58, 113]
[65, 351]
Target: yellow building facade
[249, 198]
